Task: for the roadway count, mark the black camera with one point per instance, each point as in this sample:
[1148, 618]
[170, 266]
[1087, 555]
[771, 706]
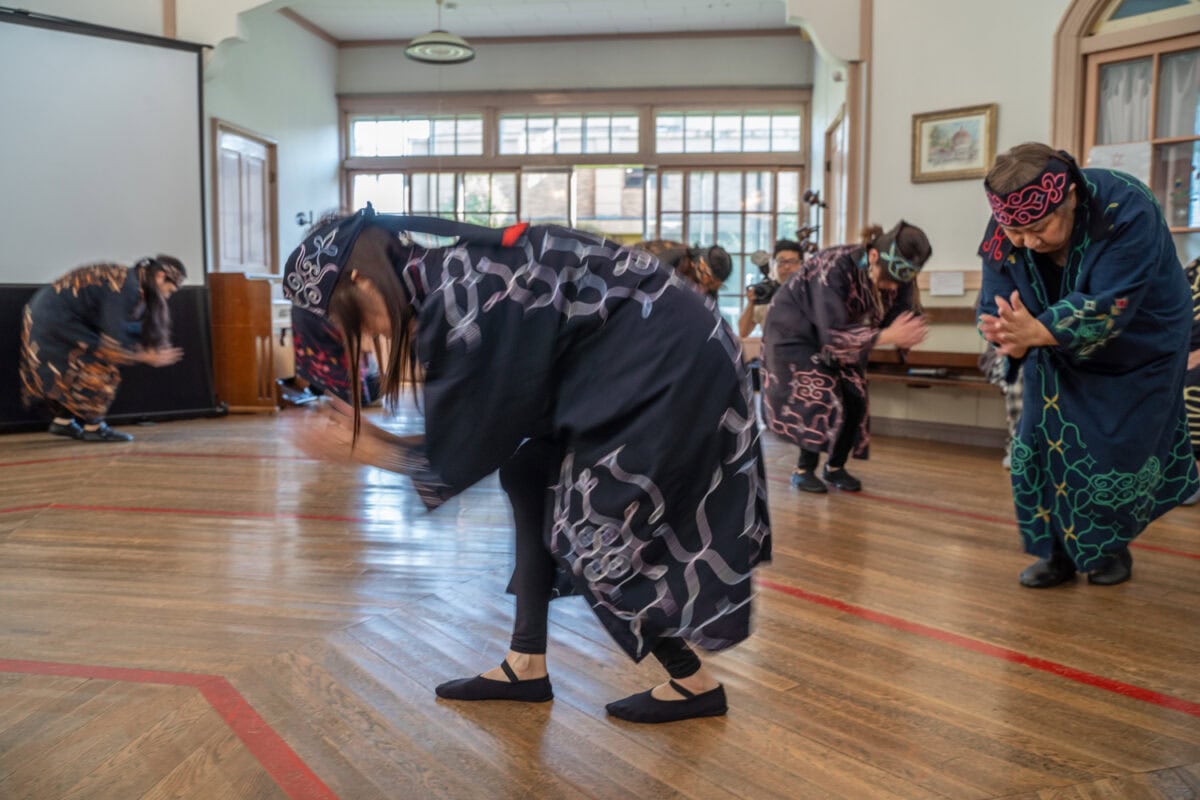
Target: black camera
[761, 293]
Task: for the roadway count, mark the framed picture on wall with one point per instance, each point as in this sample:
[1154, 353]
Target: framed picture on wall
[953, 145]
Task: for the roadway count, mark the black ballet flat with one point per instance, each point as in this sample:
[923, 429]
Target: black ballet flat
[644, 707]
[1048, 572]
[534, 690]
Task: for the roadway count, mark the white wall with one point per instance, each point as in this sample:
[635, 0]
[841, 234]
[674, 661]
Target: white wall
[828, 97]
[142, 16]
[760, 61]
[931, 55]
[279, 82]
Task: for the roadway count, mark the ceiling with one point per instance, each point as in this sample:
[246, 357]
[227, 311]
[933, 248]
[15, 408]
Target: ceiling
[351, 20]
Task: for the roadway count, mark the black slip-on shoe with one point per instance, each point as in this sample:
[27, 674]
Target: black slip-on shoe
[840, 479]
[1117, 568]
[645, 707]
[806, 481]
[105, 434]
[71, 431]
[1047, 572]
[534, 690]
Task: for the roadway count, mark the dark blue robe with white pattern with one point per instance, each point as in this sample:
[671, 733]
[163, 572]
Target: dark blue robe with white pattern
[659, 512]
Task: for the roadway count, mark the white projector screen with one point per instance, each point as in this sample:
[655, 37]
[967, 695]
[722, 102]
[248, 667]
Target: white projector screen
[100, 152]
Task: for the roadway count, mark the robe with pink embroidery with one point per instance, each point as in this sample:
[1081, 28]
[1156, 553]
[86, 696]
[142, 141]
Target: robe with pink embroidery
[820, 327]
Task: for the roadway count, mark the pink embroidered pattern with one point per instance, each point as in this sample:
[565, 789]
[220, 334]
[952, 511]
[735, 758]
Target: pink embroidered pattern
[1031, 203]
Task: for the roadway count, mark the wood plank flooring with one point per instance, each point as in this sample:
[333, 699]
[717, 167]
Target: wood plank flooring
[206, 613]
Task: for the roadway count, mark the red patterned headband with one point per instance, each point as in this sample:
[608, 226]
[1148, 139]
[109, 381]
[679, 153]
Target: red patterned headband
[1035, 200]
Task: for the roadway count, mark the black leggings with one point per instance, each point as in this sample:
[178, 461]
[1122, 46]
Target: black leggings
[854, 408]
[527, 478]
[59, 410]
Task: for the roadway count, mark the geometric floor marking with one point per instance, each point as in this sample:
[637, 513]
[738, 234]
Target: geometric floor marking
[291, 774]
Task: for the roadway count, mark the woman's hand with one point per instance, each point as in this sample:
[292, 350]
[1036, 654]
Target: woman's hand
[1193, 359]
[161, 357]
[906, 331]
[329, 433]
[1014, 330]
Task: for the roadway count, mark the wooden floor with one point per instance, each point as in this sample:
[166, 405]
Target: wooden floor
[204, 613]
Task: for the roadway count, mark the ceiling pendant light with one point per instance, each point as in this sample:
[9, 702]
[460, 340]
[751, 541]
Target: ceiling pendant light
[439, 46]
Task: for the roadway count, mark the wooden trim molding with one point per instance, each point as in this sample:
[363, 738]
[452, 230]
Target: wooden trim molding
[311, 27]
[170, 18]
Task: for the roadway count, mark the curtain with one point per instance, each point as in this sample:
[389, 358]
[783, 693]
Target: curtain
[1124, 102]
[1179, 95]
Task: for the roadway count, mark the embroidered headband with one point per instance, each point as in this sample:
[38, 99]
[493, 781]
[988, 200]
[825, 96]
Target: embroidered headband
[901, 268]
[1036, 199]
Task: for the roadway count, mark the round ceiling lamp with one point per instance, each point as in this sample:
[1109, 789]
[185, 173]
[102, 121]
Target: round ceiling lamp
[439, 46]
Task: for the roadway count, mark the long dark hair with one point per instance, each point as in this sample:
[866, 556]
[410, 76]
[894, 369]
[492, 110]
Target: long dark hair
[156, 324]
[377, 255]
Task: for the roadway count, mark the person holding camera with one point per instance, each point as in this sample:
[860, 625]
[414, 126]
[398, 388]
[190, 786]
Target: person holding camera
[785, 261]
[822, 325]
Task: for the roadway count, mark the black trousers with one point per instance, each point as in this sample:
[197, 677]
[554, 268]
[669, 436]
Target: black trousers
[854, 408]
[527, 478]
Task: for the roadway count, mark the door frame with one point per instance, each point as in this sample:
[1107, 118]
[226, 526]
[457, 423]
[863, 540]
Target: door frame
[220, 126]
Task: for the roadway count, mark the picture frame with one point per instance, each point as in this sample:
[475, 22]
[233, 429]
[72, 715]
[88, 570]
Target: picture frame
[953, 145]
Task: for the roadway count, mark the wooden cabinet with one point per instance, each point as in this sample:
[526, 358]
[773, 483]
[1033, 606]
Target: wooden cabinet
[243, 351]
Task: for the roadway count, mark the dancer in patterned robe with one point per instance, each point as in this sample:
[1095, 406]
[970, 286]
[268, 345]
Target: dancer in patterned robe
[819, 330]
[1191, 389]
[1083, 291]
[611, 397]
[79, 330]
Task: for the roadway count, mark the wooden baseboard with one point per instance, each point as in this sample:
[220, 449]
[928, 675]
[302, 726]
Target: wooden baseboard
[939, 432]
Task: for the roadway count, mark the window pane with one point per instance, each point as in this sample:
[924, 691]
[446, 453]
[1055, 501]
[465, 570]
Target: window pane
[698, 133]
[443, 137]
[668, 134]
[390, 137]
[789, 192]
[470, 137]
[785, 133]
[786, 226]
[727, 133]
[729, 191]
[1176, 183]
[421, 196]
[512, 136]
[1179, 95]
[541, 135]
[672, 191]
[625, 134]
[364, 138]
[701, 230]
[729, 232]
[758, 191]
[446, 196]
[672, 227]
[384, 191]
[1124, 103]
[544, 197]
[701, 187]
[596, 134]
[1135, 8]
[415, 138]
[504, 192]
[477, 196]
[609, 201]
[757, 133]
[650, 231]
[758, 232]
[569, 135]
